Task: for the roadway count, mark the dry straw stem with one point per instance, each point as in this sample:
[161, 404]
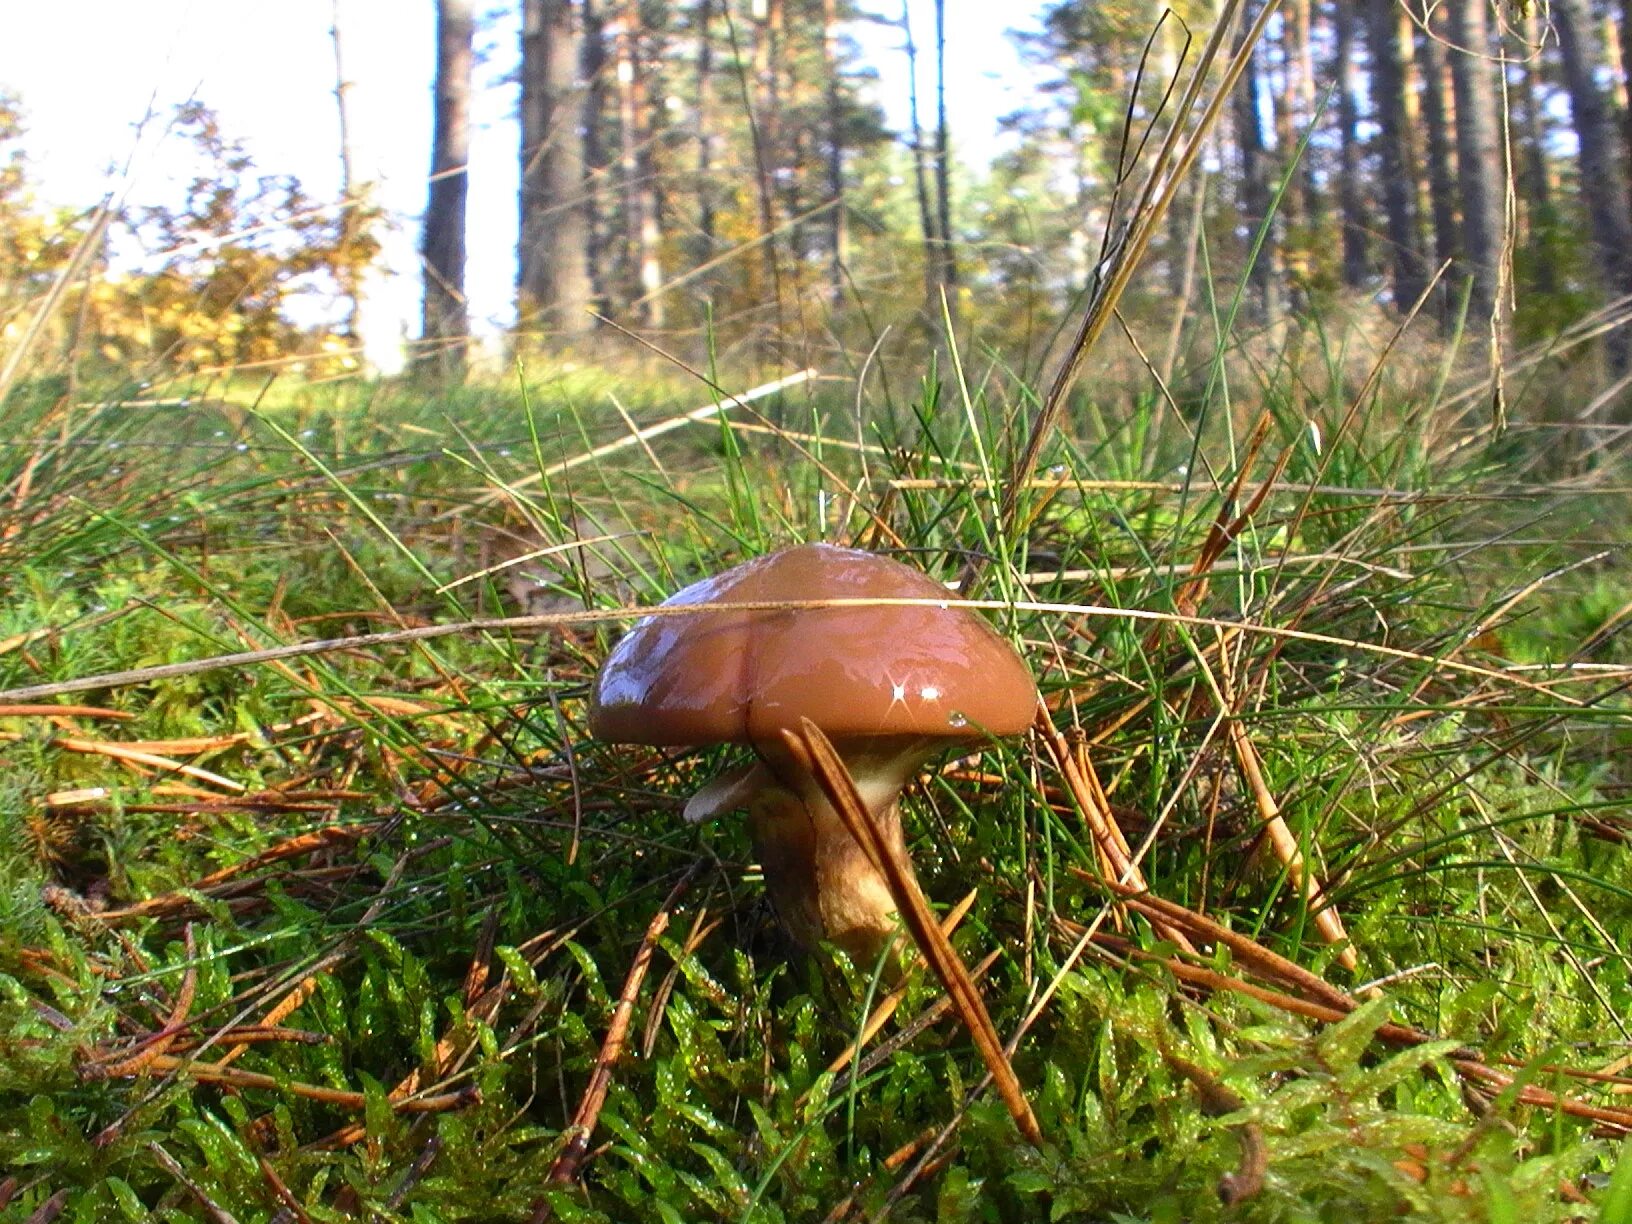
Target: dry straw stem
[567, 620]
[157, 1043]
[210, 1073]
[1178, 153]
[1107, 834]
[641, 436]
[812, 749]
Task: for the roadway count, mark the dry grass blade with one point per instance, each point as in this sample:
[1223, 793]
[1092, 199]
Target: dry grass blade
[812, 748]
[1179, 151]
[1101, 820]
[231, 1077]
[1287, 850]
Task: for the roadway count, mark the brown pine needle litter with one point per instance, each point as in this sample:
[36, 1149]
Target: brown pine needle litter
[811, 748]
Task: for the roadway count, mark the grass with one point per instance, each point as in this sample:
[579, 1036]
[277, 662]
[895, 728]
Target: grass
[404, 873]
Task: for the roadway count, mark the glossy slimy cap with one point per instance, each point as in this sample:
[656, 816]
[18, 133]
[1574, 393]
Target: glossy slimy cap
[858, 673]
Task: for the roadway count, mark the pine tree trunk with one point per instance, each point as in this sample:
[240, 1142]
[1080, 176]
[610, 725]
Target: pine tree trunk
[1388, 82]
[1351, 194]
[705, 130]
[641, 235]
[1603, 181]
[920, 166]
[1438, 119]
[1478, 155]
[948, 267]
[1250, 106]
[837, 231]
[446, 321]
[597, 161]
[350, 188]
[554, 256]
[1535, 194]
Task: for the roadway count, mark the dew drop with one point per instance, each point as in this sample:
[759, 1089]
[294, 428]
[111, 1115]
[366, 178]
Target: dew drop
[241, 447]
[1058, 471]
[956, 719]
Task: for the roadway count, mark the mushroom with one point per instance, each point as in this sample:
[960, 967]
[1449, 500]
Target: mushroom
[891, 686]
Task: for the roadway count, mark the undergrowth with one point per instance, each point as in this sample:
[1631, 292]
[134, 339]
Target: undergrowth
[342, 932]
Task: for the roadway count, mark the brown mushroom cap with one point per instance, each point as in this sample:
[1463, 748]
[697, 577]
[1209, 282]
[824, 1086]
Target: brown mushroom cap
[871, 672]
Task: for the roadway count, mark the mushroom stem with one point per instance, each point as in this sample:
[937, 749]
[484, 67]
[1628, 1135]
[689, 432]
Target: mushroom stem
[822, 883]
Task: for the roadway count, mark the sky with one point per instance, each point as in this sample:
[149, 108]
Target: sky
[269, 73]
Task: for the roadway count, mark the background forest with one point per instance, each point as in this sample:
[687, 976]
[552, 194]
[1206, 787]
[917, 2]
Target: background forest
[1270, 385]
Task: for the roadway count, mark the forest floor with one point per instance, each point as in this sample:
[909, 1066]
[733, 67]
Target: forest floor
[343, 931]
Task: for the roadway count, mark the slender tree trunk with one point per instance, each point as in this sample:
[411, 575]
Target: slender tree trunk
[1626, 75]
[705, 130]
[837, 213]
[554, 256]
[1438, 119]
[1293, 207]
[1399, 198]
[948, 274]
[1478, 155]
[1250, 106]
[596, 158]
[1351, 194]
[446, 321]
[351, 190]
[641, 238]
[920, 168]
[1535, 194]
[1603, 180]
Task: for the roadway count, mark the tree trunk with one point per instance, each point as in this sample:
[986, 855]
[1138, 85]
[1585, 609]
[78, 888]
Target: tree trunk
[1351, 194]
[1293, 208]
[920, 167]
[1626, 70]
[948, 265]
[1250, 106]
[596, 159]
[1603, 182]
[641, 235]
[1535, 194]
[350, 188]
[1478, 156]
[446, 321]
[837, 215]
[1399, 196]
[705, 130]
[1438, 119]
[553, 261]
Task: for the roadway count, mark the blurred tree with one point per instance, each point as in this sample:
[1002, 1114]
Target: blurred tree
[1609, 214]
[1395, 167]
[445, 319]
[1479, 158]
[553, 260]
